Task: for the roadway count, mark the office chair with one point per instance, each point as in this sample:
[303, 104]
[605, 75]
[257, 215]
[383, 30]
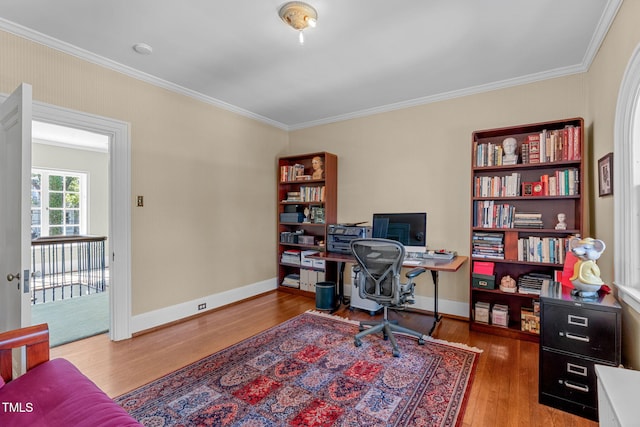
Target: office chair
[379, 262]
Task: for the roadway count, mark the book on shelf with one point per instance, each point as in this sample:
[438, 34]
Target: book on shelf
[291, 172]
[497, 186]
[554, 145]
[492, 214]
[487, 245]
[291, 281]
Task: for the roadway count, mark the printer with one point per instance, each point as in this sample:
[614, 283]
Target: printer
[339, 236]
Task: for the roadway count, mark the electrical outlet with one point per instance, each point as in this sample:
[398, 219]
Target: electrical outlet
[202, 306]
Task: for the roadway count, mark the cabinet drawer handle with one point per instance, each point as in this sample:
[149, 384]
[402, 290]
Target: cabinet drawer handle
[577, 369]
[576, 337]
[578, 320]
[574, 386]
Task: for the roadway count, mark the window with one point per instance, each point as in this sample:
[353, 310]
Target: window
[627, 180]
[58, 203]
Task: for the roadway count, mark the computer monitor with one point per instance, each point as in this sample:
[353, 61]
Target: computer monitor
[410, 229]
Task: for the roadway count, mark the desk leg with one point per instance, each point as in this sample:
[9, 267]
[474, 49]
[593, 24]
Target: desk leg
[436, 316]
[340, 284]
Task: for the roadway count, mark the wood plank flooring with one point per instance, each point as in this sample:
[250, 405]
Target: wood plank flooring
[504, 391]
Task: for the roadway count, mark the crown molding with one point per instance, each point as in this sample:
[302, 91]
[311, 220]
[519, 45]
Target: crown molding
[83, 54]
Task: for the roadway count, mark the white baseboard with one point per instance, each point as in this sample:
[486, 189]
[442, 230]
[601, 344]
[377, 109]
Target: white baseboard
[152, 319]
[454, 308]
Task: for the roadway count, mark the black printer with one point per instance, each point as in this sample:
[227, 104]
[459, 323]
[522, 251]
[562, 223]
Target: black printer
[339, 236]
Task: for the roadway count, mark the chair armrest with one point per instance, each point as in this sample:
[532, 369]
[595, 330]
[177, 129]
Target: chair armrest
[414, 272]
[34, 338]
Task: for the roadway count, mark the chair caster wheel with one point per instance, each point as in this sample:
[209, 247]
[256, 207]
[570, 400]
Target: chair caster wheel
[357, 343]
[421, 341]
[396, 353]
[372, 313]
[360, 328]
[386, 337]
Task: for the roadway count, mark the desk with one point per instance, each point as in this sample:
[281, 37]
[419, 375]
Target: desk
[433, 265]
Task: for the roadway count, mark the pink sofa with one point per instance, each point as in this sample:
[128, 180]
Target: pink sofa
[51, 392]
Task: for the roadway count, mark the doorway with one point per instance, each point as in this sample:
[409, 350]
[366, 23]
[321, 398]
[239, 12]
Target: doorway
[69, 229]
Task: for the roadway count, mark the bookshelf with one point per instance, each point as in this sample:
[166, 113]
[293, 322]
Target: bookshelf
[306, 207]
[514, 215]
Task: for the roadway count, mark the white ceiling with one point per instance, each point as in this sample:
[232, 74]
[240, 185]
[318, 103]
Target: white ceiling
[364, 56]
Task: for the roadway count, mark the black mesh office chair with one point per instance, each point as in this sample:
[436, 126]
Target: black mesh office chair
[379, 262]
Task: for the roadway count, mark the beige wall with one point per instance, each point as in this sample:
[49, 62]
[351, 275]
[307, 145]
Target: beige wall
[604, 80]
[207, 175]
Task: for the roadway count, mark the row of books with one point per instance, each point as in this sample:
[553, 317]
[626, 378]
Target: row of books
[564, 182]
[312, 193]
[542, 147]
[291, 172]
[487, 245]
[489, 154]
[550, 250]
[497, 186]
[489, 214]
[552, 146]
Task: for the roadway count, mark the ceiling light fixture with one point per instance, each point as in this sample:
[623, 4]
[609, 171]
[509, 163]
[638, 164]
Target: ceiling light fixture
[299, 15]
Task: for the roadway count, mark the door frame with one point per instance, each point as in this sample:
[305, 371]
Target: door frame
[119, 204]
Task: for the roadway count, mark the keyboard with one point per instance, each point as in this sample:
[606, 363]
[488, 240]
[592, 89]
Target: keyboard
[446, 255]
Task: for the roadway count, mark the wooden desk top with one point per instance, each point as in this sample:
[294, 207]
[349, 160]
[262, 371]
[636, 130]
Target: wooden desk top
[430, 264]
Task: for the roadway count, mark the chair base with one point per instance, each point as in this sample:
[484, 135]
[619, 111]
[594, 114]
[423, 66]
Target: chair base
[387, 327]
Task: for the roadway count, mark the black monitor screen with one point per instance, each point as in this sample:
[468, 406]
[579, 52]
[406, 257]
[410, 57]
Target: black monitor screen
[410, 229]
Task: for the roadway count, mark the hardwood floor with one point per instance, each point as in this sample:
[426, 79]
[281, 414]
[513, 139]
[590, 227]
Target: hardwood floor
[504, 391]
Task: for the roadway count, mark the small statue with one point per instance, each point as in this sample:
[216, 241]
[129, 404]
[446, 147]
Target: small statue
[562, 221]
[509, 147]
[318, 168]
[586, 274]
[507, 284]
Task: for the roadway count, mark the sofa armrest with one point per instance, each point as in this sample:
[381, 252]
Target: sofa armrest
[34, 338]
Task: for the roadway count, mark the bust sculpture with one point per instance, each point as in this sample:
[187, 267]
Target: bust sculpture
[318, 168]
[562, 224]
[509, 147]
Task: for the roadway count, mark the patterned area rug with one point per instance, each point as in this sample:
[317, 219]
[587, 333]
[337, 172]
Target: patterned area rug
[307, 372]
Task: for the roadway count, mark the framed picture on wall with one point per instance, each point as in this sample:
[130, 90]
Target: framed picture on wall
[605, 175]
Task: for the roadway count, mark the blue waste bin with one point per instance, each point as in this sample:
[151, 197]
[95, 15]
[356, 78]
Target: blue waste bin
[326, 296]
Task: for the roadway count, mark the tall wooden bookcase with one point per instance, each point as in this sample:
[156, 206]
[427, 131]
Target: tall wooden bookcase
[546, 180]
[298, 231]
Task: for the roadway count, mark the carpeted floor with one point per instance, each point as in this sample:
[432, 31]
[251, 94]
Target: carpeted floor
[307, 372]
[74, 318]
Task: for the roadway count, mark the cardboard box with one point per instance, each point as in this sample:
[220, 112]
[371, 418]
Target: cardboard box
[319, 264]
[483, 281]
[500, 315]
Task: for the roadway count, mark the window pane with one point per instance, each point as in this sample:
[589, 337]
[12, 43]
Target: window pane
[55, 231]
[36, 199]
[55, 200]
[72, 231]
[35, 232]
[55, 217]
[72, 183]
[35, 217]
[55, 183]
[36, 181]
[72, 217]
[72, 200]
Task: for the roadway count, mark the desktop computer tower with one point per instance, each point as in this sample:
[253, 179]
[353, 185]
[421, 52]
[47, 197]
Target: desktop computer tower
[362, 303]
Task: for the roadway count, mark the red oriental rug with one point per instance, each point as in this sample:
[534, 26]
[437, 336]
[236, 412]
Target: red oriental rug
[307, 372]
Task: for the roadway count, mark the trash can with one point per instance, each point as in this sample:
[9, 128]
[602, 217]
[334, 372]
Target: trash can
[326, 296]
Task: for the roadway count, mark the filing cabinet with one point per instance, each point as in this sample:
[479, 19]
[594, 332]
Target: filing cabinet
[576, 334]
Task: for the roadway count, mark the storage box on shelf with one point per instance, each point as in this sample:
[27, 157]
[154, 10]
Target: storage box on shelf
[515, 211]
[306, 205]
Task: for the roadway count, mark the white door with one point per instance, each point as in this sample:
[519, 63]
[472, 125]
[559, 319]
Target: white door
[15, 209]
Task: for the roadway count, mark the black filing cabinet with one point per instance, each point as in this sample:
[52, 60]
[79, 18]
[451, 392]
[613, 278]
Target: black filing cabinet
[575, 334]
